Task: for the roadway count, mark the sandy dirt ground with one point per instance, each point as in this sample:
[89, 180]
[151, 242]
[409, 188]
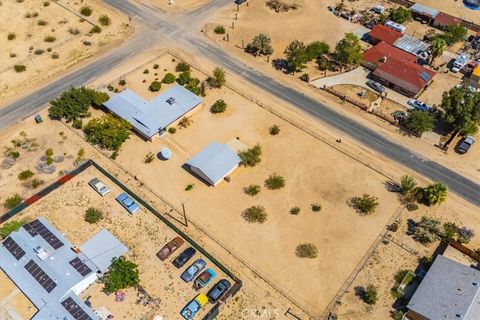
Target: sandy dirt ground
[61, 18]
[173, 6]
[12, 301]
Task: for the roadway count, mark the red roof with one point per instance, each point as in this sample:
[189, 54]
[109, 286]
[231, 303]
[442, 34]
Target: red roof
[405, 74]
[377, 53]
[443, 19]
[383, 33]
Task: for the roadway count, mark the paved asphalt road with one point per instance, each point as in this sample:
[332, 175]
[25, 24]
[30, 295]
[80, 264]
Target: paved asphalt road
[160, 26]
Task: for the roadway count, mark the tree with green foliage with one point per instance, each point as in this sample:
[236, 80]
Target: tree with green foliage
[454, 33]
[275, 182]
[218, 79]
[306, 250]
[370, 296]
[74, 103]
[316, 49]
[400, 15]
[450, 229]
[122, 274]
[13, 201]
[427, 230]
[155, 86]
[251, 156]
[93, 215]
[274, 130]
[461, 110]
[260, 45]
[169, 78]
[184, 77]
[255, 214]
[419, 122]
[252, 190]
[438, 47]
[348, 51]
[219, 106]
[366, 204]
[86, 11]
[435, 193]
[8, 227]
[193, 85]
[108, 132]
[296, 55]
[182, 67]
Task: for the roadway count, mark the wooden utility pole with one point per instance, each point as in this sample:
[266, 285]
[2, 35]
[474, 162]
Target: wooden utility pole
[185, 214]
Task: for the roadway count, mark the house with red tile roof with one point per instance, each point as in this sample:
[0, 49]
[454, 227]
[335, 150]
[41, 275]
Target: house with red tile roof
[443, 20]
[383, 33]
[381, 52]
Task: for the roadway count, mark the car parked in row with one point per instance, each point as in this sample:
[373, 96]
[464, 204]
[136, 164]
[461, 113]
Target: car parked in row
[418, 105]
[465, 145]
[192, 308]
[218, 290]
[183, 257]
[204, 279]
[128, 203]
[193, 270]
[98, 186]
[170, 248]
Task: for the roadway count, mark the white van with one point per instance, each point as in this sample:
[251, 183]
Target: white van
[395, 26]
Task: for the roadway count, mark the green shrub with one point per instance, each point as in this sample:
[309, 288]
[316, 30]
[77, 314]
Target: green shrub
[11, 36]
[219, 29]
[370, 295]
[73, 31]
[427, 230]
[42, 22]
[274, 130]
[77, 123]
[218, 107]
[156, 66]
[25, 174]
[108, 131]
[306, 250]
[182, 67]
[96, 29]
[122, 82]
[13, 55]
[12, 201]
[49, 38]
[104, 20]
[172, 130]
[275, 182]
[146, 71]
[185, 122]
[8, 227]
[184, 78]
[252, 190]
[39, 51]
[169, 78]
[86, 11]
[366, 204]
[149, 157]
[122, 274]
[255, 214]
[93, 215]
[295, 210]
[305, 77]
[189, 187]
[49, 49]
[155, 86]
[46, 3]
[218, 79]
[19, 68]
[316, 207]
[251, 157]
[34, 183]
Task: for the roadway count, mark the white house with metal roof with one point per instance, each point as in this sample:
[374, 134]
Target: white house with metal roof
[149, 118]
[214, 162]
[51, 272]
[450, 290]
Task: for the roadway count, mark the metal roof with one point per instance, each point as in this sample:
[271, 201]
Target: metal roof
[424, 10]
[214, 162]
[149, 117]
[450, 290]
[411, 44]
[102, 248]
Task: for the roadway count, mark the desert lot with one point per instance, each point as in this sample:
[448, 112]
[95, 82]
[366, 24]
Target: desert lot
[23, 38]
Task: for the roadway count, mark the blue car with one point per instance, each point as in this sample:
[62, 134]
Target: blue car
[193, 270]
[418, 105]
[128, 203]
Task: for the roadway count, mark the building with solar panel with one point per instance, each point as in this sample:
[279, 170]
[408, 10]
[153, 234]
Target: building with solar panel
[51, 272]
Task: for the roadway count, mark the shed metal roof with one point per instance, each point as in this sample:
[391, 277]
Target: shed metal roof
[424, 10]
[411, 44]
[102, 248]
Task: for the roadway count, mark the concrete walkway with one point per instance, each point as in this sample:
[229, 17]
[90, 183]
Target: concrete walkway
[357, 77]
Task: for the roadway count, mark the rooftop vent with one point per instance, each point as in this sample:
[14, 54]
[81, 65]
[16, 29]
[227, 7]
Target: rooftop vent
[171, 101]
[41, 252]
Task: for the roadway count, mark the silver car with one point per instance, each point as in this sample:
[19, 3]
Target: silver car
[98, 186]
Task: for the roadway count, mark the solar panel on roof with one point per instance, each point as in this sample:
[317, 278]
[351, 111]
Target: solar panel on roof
[81, 267]
[75, 310]
[36, 227]
[14, 248]
[425, 76]
[40, 276]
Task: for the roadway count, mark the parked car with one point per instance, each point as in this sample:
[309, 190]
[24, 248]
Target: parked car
[128, 203]
[376, 86]
[460, 62]
[38, 118]
[183, 257]
[204, 279]
[192, 308]
[466, 144]
[98, 186]
[170, 248]
[418, 105]
[218, 290]
[193, 270]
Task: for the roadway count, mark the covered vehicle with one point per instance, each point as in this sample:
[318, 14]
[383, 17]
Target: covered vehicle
[128, 203]
[204, 279]
[192, 308]
[98, 186]
[193, 270]
[218, 290]
[170, 248]
[183, 257]
[416, 104]
[466, 144]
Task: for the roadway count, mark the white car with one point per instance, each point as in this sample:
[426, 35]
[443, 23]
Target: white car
[418, 105]
[98, 186]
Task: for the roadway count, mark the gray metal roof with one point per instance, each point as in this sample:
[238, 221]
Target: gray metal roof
[149, 117]
[56, 265]
[450, 290]
[424, 10]
[102, 248]
[411, 44]
[214, 162]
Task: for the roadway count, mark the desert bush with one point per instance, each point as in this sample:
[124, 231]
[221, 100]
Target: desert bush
[25, 174]
[77, 123]
[12, 55]
[366, 204]
[8, 227]
[189, 187]
[182, 67]
[295, 210]
[251, 157]
[39, 51]
[435, 193]
[93, 215]
[218, 79]
[149, 157]
[427, 230]
[255, 214]
[96, 29]
[184, 78]
[185, 122]
[316, 207]
[465, 235]
[12, 201]
[169, 78]
[407, 184]
[306, 250]
[275, 182]
[156, 66]
[49, 49]
[172, 130]
[260, 45]
[42, 22]
[280, 6]
[34, 183]
[146, 71]
[252, 190]
[104, 20]
[274, 130]
[305, 77]
[411, 206]
[155, 86]
[11, 36]
[122, 82]
[73, 31]
[86, 11]
[370, 296]
[49, 38]
[219, 29]
[219, 106]
[46, 3]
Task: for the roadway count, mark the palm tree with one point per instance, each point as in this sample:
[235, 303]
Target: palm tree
[438, 46]
[407, 184]
[436, 193]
